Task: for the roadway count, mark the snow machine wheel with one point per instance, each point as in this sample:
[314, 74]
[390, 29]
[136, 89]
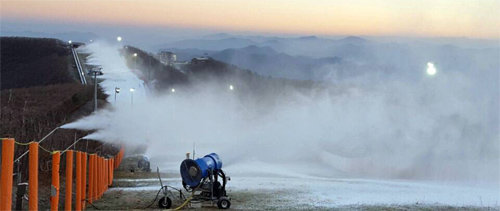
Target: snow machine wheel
[165, 203]
[223, 204]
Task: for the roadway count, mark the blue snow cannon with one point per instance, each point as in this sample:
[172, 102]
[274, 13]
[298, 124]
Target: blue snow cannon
[194, 171]
[205, 179]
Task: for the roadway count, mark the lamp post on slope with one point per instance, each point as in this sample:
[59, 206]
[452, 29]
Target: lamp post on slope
[94, 72]
[132, 96]
[117, 90]
[135, 60]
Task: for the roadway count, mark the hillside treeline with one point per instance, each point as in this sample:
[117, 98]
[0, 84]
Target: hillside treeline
[27, 62]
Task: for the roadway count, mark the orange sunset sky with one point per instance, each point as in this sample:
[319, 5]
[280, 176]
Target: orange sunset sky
[429, 18]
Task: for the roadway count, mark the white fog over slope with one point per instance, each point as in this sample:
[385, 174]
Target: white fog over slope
[442, 128]
[116, 73]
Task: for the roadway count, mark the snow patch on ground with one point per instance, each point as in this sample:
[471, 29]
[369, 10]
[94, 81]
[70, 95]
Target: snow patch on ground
[325, 192]
[343, 192]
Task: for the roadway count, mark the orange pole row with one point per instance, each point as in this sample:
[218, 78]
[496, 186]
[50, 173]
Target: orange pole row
[54, 193]
[100, 176]
[84, 178]
[33, 176]
[69, 179]
[7, 172]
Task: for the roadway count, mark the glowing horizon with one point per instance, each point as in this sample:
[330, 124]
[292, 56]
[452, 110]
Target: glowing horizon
[445, 18]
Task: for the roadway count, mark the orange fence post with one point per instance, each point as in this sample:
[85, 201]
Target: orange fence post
[91, 172]
[84, 178]
[113, 170]
[110, 172]
[54, 189]
[103, 176]
[106, 173]
[95, 177]
[7, 172]
[103, 170]
[78, 195]
[33, 176]
[122, 153]
[95, 188]
[69, 179]
[99, 178]
[116, 159]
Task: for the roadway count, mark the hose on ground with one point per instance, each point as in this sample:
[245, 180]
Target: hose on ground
[183, 204]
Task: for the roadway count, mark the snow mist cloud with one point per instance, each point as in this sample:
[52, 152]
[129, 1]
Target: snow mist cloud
[441, 127]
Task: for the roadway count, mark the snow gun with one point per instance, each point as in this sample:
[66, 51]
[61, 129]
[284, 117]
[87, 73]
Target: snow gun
[205, 179]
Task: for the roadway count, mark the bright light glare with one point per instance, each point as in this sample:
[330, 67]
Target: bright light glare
[119, 39]
[172, 90]
[231, 87]
[431, 70]
[135, 54]
[70, 42]
[132, 89]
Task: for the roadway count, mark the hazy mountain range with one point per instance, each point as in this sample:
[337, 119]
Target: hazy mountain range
[317, 58]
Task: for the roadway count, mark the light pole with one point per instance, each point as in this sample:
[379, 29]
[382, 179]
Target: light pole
[117, 90]
[95, 91]
[132, 96]
[95, 88]
[231, 89]
[172, 90]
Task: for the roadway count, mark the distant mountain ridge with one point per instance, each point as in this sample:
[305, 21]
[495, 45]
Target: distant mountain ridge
[266, 61]
[306, 57]
[322, 58]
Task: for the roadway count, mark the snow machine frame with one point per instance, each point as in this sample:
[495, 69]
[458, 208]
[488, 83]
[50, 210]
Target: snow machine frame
[210, 189]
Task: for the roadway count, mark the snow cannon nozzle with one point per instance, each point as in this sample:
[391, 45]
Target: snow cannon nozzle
[194, 171]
